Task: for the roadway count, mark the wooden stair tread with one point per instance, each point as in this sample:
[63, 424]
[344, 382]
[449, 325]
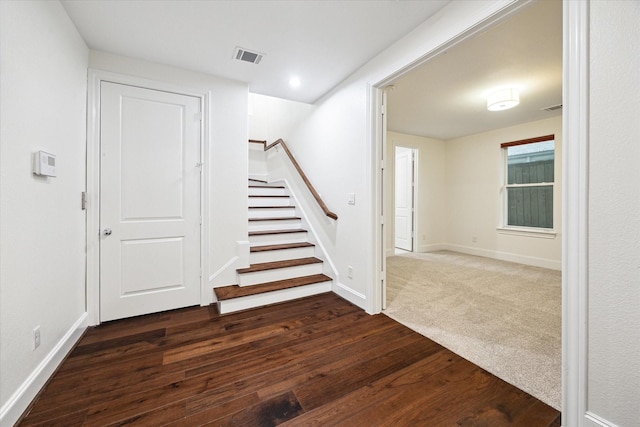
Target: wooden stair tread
[267, 196]
[280, 218]
[235, 291]
[257, 180]
[266, 232]
[266, 248]
[266, 186]
[279, 264]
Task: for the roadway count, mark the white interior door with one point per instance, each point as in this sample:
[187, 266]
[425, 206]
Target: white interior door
[149, 201]
[404, 199]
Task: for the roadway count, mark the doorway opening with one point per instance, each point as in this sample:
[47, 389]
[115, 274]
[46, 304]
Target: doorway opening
[404, 196]
[451, 124]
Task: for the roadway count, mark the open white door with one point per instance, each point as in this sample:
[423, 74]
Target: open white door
[404, 199]
[149, 201]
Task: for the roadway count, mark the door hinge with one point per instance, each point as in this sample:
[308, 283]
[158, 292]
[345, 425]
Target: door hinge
[83, 202]
[382, 164]
[384, 109]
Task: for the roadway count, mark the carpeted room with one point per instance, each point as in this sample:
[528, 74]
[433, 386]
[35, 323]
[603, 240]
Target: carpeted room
[451, 286]
[504, 317]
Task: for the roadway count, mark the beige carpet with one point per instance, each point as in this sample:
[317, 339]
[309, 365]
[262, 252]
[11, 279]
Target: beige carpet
[502, 316]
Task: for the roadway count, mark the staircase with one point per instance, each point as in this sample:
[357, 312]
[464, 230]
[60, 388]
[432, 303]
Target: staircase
[283, 263]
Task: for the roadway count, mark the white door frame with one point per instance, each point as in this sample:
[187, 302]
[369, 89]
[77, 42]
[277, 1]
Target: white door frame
[574, 197]
[95, 77]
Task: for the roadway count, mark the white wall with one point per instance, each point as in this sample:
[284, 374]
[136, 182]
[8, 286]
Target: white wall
[42, 260]
[474, 168]
[431, 190]
[227, 162]
[272, 118]
[614, 214]
[459, 197]
[334, 144]
[331, 148]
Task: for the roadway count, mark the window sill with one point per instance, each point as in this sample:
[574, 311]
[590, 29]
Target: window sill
[527, 232]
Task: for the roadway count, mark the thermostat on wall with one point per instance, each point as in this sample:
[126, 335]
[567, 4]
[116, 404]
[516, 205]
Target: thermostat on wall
[44, 163]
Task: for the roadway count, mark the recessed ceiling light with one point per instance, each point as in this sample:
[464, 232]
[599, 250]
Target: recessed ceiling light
[294, 82]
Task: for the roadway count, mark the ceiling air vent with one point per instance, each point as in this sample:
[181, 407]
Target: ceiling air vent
[553, 108]
[242, 54]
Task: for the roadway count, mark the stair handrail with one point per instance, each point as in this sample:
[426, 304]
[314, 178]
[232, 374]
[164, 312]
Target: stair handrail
[313, 191]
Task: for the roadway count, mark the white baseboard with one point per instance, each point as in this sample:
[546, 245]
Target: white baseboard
[13, 409]
[350, 295]
[259, 176]
[592, 420]
[421, 248]
[432, 247]
[505, 256]
[226, 275]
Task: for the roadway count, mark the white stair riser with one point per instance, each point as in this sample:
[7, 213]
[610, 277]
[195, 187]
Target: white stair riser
[266, 191]
[281, 255]
[252, 301]
[278, 239]
[272, 213]
[248, 279]
[287, 224]
[269, 201]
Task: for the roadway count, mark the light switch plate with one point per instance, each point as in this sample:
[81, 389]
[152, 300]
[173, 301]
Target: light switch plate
[351, 198]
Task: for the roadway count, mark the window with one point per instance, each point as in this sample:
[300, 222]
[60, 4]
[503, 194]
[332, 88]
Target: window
[529, 178]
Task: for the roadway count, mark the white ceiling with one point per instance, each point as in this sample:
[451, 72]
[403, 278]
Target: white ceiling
[321, 42]
[446, 97]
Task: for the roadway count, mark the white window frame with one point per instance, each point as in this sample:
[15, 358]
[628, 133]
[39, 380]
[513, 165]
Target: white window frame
[520, 230]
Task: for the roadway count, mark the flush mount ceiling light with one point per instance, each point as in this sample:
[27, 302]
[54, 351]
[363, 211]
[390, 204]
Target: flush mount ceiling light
[294, 82]
[503, 99]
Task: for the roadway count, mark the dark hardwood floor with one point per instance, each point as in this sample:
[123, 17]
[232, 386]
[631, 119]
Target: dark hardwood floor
[314, 361]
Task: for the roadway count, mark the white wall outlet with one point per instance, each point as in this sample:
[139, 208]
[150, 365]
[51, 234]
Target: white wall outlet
[350, 272]
[36, 337]
[351, 198]
[474, 239]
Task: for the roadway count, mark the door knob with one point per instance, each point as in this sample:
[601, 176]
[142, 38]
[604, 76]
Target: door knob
[107, 232]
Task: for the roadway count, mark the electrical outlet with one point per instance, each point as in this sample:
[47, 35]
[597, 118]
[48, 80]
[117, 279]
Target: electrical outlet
[474, 239]
[36, 337]
[350, 272]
